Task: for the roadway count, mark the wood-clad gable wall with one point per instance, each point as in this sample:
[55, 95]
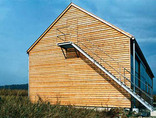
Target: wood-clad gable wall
[75, 80]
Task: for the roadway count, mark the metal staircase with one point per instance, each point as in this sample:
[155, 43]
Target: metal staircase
[119, 77]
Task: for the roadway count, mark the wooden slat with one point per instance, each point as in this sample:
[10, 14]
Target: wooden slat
[76, 80]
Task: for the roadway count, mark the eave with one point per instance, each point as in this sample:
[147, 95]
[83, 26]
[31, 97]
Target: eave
[72, 4]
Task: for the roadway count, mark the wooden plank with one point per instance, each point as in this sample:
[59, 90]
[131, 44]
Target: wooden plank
[77, 80]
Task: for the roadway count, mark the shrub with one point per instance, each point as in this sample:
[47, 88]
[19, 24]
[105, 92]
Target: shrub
[16, 104]
[9, 92]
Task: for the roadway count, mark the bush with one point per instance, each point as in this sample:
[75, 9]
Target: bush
[16, 104]
[9, 92]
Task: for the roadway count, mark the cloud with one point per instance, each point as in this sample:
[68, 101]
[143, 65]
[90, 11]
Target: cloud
[136, 17]
[150, 39]
[29, 18]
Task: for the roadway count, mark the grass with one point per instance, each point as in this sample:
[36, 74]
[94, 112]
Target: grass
[15, 103]
[8, 92]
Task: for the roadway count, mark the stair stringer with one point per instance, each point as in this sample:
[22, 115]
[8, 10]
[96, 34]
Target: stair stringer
[129, 90]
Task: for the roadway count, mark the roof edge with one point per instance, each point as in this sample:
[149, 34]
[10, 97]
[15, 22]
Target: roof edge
[51, 25]
[107, 23]
[72, 4]
[143, 58]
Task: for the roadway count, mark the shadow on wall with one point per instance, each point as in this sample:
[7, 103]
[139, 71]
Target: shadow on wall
[72, 53]
[106, 77]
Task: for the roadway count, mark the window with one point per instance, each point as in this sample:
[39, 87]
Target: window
[142, 79]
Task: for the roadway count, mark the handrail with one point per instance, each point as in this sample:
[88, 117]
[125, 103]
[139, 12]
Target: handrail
[120, 65]
[115, 69]
[117, 72]
[127, 88]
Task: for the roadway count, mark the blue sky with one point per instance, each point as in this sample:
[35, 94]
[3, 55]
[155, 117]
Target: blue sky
[23, 21]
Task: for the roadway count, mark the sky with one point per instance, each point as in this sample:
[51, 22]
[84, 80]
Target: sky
[23, 21]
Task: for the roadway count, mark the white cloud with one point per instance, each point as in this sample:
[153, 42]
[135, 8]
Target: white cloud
[150, 39]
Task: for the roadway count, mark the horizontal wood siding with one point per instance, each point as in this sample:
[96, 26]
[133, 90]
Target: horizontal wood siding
[75, 80]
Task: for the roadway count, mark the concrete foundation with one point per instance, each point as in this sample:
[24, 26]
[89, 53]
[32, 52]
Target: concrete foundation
[153, 113]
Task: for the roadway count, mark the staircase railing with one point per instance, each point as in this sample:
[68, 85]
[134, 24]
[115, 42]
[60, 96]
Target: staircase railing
[121, 72]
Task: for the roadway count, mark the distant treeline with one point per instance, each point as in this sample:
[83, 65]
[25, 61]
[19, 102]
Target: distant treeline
[15, 86]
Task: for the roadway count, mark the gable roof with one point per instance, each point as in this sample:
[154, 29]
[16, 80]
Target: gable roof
[72, 4]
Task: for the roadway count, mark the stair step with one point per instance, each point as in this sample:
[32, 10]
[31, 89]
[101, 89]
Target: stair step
[133, 93]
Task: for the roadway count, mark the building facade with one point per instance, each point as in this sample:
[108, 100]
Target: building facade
[83, 60]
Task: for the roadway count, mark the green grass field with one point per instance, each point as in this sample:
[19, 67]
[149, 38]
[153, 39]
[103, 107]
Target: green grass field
[16, 104]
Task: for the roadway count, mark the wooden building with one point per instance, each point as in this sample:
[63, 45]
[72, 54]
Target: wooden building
[83, 60]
